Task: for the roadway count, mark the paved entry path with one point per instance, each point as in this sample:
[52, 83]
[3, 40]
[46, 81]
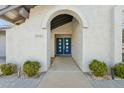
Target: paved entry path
[64, 74]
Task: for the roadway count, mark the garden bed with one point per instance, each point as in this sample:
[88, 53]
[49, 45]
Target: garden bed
[90, 76]
[22, 76]
[34, 77]
[116, 78]
[15, 75]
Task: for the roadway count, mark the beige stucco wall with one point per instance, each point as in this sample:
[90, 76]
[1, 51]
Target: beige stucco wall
[77, 42]
[2, 44]
[98, 40]
[25, 43]
[29, 40]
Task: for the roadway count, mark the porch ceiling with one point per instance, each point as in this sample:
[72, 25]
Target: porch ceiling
[60, 20]
[15, 14]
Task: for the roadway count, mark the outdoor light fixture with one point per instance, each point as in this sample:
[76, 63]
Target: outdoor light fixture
[24, 13]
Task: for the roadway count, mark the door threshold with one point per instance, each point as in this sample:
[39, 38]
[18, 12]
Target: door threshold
[63, 55]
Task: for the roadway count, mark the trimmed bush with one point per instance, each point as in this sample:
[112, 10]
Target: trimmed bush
[119, 70]
[8, 69]
[98, 68]
[31, 68]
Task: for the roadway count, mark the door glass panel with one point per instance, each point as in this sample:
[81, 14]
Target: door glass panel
[67, 43]
[66, 40]
[66, 47]
[66, 50]
[60, 43]
[60, 40]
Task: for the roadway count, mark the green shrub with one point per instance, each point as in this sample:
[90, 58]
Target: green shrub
[8, 69]
[119, 70]
[98, 68]
[31, 68]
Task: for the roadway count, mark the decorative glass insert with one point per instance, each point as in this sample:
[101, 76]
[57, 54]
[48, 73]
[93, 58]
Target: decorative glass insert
[66, 50]
[60, 40]
[60, 43]
[67, 43]
[66, 40]
[66, 47]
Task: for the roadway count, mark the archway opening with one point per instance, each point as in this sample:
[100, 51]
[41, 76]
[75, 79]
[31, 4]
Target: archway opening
[66, 38]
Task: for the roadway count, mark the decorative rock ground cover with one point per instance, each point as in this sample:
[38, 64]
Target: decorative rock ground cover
[90, 76]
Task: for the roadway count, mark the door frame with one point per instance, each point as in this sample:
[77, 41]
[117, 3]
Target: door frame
[62, 36]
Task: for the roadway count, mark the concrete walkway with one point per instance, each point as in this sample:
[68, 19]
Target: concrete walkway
[64, 74]
[13, 81]
[107, 83]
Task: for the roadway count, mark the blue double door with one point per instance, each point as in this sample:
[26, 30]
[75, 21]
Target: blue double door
[63, 46]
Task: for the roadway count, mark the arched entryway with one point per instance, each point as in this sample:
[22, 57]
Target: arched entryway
[66, 38]
[77, 23]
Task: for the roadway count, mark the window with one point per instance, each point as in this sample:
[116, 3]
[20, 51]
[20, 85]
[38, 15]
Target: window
[122, 45]
[123, 36]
